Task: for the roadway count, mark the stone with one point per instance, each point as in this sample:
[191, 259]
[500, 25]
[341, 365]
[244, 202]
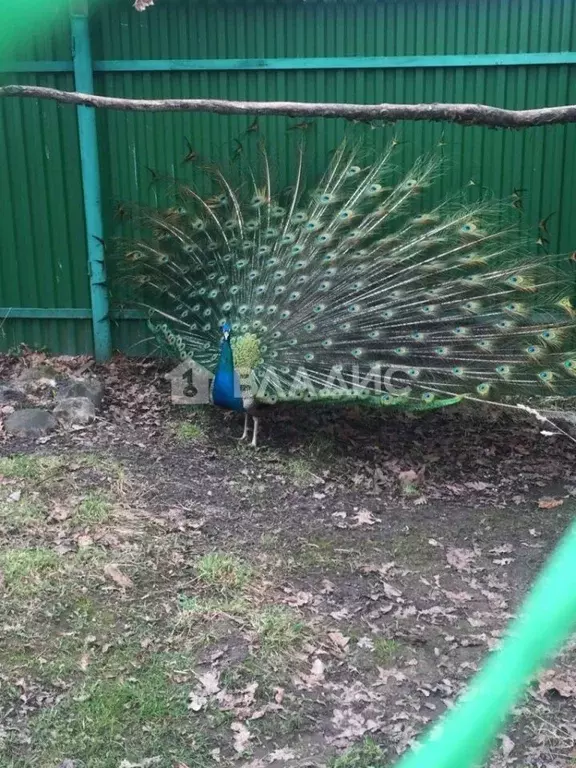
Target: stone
[90, 388]
[10, 394]
[30, 422]
[75, 411]
[35, 378]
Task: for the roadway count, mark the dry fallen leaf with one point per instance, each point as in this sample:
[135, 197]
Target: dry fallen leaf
[113, 572]
[458, 597]
[59, 513]
[407, 477]
[562, 682]
[507, 745]
[283, 755]
[503, 549]
[210, 682]
[196, 702]
[460, 559]
[390, 591]
[278, 695]
[327, 587]
[315, 677]
[299, 599]
[546, 503]
[478, 485]
[242, 737]
[339, 640]
[365, 517]
[317, 670]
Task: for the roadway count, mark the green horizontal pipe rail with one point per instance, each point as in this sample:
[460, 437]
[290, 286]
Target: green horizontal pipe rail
[335, 62]
[69, 313]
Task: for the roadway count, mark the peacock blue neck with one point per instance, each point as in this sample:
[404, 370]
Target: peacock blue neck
[226, 388]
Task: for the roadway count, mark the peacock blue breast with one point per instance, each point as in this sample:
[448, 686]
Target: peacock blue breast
[226, 387]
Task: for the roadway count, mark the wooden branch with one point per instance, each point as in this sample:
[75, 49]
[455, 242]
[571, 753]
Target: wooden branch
[465, 114]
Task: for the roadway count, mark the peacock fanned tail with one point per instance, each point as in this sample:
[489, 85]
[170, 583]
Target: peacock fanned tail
[352, 291]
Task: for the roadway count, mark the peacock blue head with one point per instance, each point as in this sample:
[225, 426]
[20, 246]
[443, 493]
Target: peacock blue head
[226, 330]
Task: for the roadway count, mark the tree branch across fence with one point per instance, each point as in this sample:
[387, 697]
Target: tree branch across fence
[464, 114]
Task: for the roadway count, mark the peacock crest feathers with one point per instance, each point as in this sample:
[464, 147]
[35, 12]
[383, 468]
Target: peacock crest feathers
[330, 288]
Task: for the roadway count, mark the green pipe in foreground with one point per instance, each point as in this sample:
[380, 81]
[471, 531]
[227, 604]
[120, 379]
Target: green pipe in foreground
[88, 138]
[546, 619]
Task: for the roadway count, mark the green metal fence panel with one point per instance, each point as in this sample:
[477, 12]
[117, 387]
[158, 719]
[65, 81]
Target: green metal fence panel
[42, 242]
[43, 246]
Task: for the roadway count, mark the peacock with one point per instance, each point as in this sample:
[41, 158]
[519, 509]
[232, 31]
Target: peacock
[349, 290]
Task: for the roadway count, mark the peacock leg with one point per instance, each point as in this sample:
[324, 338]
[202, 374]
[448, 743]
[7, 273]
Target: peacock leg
[254, 442]
[245, 433]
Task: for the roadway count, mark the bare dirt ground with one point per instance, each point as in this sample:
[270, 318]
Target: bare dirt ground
[172, 598]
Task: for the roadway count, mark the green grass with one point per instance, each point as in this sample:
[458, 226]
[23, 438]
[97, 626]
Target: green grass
[95, 507]
[26, 570]
[223, 572]
[21, 512]
[193, 609]
[299, 470]
[279, 629]
[188, 430]
[364, 755]
[122, 716]
[26, 467]
[385, 650]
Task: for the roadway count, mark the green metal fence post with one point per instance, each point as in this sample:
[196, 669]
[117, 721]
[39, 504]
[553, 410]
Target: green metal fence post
[84, 82]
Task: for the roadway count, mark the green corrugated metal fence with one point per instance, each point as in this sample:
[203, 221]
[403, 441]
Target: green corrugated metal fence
[451, 51]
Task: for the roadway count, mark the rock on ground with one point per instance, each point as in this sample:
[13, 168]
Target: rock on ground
[30, 422]
[75, 411]
[90, 388]
[36, 377]
[9, 395]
